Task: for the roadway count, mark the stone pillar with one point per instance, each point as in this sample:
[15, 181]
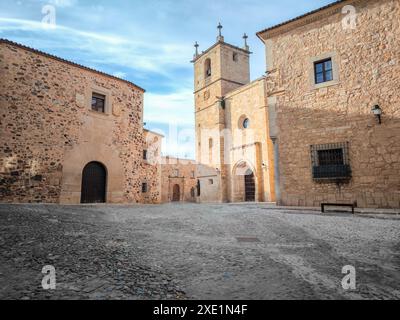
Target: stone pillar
[276, 170]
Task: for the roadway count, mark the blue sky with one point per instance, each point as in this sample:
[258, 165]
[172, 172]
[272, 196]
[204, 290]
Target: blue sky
[149, 42]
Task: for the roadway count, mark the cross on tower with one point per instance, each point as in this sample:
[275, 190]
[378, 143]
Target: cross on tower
[220, 37]
[245, 37]
[196, 45]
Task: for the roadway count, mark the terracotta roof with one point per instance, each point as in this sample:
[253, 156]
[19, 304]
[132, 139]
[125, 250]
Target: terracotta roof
[300, 17]
[67, 62]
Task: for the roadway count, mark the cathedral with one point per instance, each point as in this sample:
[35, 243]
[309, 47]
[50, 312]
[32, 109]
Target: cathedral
[234, 151]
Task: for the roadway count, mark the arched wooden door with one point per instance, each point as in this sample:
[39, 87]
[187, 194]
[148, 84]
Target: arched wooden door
[250, 186]
[94, 179]
[176, 193]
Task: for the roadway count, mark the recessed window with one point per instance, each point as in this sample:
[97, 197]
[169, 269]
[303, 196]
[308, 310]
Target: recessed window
[145, 154]
[98, 102]
[323, 71]
[207, 68]
[176, 173]
[331, 161]
[246, 123]
[235, 56]
[211, 181]
[144, 187]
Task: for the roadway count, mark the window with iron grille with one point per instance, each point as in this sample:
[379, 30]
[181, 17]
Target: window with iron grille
[331, 161]
[323, 71]
[98, 102]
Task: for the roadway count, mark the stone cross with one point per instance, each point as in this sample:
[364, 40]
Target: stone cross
[245, 37]
[220, 37]
[196, 45]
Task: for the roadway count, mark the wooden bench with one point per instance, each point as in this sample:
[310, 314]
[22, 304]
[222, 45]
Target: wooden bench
[352, 206]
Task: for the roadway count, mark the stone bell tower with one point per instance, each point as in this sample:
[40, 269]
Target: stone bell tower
[217, 71]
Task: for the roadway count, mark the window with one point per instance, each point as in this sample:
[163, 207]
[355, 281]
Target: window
[193, 174]
[323, 71]
[144, 187]
[193, 192]
[211, 181]
[98, 102]
[246, 123]
[144, 154]
[207, 67]
[235, 56]
[330, 161]
[176, 173]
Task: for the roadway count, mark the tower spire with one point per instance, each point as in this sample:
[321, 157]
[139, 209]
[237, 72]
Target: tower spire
[220, 36]
[196, 54]
[246, 46]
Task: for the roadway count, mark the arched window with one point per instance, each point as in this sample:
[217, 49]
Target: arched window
[207, 68]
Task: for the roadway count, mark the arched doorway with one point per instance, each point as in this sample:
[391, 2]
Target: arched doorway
[94, 179]
[176, 193]
[244, 183]
[250, 186]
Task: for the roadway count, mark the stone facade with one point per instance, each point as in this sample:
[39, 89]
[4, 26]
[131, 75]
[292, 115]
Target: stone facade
[227, 153]
[179, 180]
[49, 132]
[366, 68]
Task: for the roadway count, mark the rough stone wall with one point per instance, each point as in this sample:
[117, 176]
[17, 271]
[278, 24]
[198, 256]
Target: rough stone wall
[152, 168]
[186, 179]
[49, 132]
[367, 62]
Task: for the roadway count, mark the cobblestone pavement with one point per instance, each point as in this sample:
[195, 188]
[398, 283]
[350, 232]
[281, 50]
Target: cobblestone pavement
[191, 251]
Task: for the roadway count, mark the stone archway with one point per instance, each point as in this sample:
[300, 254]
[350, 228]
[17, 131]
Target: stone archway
[94, 183]
[244, 183]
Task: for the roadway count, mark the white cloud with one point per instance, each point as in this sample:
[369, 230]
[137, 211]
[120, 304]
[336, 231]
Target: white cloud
[62, 3]
[119, 74]
[171, 108]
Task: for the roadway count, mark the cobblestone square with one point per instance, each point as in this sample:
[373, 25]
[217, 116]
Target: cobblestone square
[189, 251]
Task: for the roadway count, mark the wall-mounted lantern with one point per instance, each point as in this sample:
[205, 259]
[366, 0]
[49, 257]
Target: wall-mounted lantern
[377, 111]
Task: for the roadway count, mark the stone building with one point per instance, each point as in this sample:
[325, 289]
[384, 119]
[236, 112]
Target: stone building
[233, 149]
[70, 134]
[334, 104]
[179, 180]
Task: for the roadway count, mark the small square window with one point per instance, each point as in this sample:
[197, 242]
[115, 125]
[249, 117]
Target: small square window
[98, 102]
[144, 187]
[323, 71]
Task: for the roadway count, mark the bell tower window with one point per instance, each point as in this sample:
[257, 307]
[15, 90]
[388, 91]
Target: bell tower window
[207, 68]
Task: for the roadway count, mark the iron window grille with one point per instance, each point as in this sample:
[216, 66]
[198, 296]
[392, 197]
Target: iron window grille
[331, 161]
[323, 71]
[98, 102]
